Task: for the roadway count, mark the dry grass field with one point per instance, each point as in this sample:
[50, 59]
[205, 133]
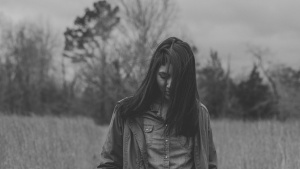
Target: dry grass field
[257, 145]
[49, 143]
[75, 143]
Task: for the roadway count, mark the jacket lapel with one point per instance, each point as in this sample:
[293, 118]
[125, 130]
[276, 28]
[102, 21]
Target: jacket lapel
[136, 127]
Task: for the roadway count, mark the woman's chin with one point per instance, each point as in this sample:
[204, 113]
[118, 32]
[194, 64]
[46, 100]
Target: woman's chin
[167, 97]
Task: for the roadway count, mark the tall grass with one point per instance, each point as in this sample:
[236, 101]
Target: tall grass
[61, 143]
[49, 143]
[257, 145]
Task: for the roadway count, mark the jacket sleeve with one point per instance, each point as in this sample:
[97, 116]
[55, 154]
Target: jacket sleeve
[212, 161]
[112, 151]
[212, 154]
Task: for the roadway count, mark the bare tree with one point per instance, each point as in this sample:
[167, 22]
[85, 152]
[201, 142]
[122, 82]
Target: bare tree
[259, 54]
[144, 25]
[26, 64]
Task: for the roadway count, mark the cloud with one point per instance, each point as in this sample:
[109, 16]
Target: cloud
[224, 25]
[228, 25]
[60, 13]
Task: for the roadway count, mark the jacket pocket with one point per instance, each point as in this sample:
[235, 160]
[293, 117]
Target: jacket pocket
[148, 128]
[148, 131]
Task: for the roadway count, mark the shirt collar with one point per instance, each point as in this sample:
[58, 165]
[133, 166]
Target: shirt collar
[154, 108]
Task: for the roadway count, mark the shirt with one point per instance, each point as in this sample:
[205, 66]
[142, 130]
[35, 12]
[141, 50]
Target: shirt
[165, 151]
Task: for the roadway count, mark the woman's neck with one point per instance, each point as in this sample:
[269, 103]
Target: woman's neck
[164, 105]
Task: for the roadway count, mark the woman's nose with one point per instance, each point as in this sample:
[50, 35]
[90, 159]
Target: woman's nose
[169, 82]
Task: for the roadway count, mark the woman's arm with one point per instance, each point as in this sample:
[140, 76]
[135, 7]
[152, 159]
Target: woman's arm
[112, 150]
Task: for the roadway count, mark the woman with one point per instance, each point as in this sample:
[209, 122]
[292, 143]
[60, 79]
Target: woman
[163, 125]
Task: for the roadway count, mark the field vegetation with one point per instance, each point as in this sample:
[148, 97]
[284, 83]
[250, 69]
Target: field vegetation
[49, 143]
[75, 143]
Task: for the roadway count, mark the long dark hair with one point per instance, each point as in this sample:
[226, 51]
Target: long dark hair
[182, 115]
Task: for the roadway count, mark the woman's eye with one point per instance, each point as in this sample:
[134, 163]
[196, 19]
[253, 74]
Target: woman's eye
[164, 75]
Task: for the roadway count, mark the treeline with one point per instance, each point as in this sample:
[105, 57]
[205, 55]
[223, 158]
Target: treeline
[105, 56]
[263, 94]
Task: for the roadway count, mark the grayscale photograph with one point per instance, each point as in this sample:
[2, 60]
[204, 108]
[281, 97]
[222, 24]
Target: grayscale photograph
[149, 84]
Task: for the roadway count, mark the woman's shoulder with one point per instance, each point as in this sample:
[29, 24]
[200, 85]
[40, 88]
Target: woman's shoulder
[119, 107]
[203, 109]
[124, 100]
[118, 115]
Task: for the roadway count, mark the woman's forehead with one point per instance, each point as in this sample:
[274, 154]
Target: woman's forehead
[166, 68]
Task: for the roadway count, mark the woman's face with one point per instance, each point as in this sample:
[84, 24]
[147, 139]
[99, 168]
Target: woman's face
[164, 80]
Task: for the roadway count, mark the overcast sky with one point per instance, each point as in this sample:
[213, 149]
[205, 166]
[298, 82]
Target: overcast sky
[227, 26]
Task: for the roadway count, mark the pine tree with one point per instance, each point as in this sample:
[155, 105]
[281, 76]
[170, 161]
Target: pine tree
[255, 97]
[88, 44]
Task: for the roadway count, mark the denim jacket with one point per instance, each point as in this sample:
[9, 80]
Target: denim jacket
[125, 145]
